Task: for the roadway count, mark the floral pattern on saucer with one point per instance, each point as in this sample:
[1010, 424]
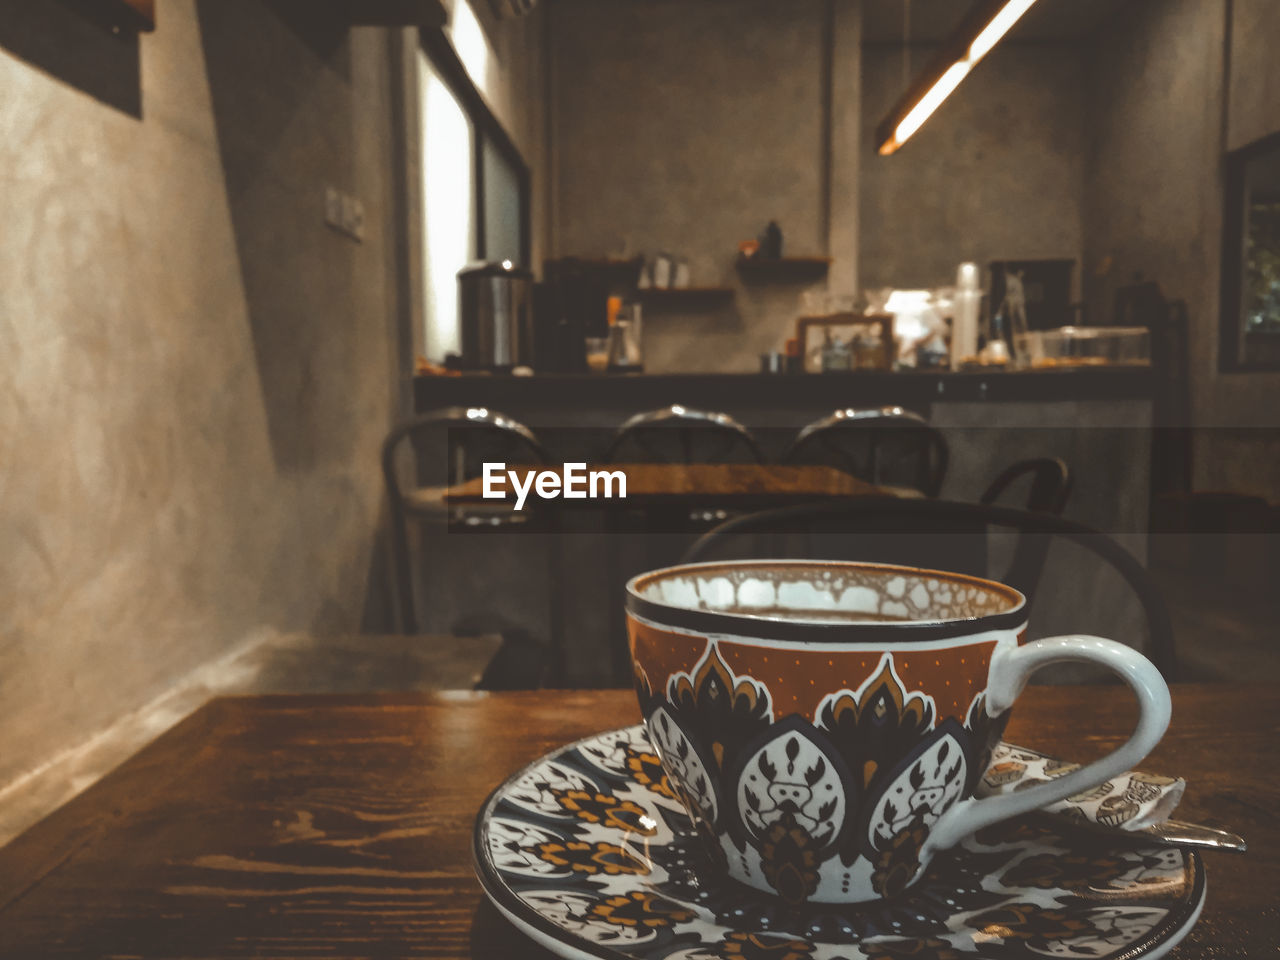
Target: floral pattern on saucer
[590, 847]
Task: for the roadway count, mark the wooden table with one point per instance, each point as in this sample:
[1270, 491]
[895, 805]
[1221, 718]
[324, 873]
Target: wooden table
[340, 826]
[734, 486]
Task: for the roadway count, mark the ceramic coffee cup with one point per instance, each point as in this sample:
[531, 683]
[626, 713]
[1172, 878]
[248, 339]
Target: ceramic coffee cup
[825, 724]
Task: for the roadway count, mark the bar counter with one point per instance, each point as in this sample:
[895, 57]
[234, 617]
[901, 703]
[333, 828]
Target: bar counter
[1098, 420]
[771, 400]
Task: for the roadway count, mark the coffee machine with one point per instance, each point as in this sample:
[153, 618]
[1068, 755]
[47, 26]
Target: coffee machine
[574, 304]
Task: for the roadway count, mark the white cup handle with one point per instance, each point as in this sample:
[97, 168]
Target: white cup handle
[1011, 667]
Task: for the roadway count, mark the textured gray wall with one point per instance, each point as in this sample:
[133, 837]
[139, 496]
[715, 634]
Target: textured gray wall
[1154, 200]
[1154, 88]
[996, 173]
[687, 127]
[1253, 110]
[197, 372]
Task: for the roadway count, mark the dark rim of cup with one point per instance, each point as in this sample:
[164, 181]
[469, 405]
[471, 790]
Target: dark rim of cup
[815, 629]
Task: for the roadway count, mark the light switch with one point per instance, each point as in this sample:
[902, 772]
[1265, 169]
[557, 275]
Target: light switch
[344, 213]
[333, 208]
[352, 217]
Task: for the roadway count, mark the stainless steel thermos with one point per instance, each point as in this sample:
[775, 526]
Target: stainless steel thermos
[495, 311]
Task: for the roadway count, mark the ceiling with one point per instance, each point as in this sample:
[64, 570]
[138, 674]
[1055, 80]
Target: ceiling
[933, 20]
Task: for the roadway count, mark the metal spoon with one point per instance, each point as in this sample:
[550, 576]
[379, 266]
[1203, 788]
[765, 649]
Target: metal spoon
[1179, 833]
[1172, 833]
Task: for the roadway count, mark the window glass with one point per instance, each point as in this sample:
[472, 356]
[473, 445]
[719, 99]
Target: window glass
[448, 227]
[501, 206]
[1262, 246]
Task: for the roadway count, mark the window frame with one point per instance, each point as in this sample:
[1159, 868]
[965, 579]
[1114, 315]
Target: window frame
[486, 131]
[1231, 334]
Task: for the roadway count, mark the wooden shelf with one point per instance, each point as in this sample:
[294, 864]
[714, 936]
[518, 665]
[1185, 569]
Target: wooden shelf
[693, 298]
[783, 269]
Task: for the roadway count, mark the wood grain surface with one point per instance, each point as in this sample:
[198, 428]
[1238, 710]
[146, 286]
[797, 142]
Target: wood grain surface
[339, 826]
[702, 481]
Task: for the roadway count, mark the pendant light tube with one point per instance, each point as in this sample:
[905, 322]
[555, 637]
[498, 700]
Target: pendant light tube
[976, 36]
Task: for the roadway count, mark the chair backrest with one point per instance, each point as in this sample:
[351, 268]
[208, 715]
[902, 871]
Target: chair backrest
[453, 443]
[1049, 491]
[449, 446]
[1051, 484]
[882, 445]
[680, 434]
[791, 532]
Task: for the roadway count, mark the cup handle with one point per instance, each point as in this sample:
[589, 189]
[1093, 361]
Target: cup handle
[1011, 667]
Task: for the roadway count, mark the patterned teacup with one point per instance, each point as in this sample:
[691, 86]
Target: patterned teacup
[825, 723]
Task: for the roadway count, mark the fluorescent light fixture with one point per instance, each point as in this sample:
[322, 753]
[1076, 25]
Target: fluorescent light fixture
[1009, 14]
[930, 102]
[981, 30]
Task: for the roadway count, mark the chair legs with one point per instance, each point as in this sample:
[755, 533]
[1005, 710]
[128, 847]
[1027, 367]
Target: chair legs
[555, 599]
[551, 654]
[403, 572]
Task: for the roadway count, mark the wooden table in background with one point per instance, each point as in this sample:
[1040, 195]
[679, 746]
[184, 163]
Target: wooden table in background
[733, 486]
[340, 826]
[668, 496]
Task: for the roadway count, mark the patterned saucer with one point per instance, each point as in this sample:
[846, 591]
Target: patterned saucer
[588, 852]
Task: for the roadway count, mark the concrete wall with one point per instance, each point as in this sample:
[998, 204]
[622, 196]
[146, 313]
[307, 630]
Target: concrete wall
[197, 373]
[1253, 105]
[1154, 200]
[995, 174]
[686, 128]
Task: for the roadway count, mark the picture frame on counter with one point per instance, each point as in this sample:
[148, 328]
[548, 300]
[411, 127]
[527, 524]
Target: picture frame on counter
[842, 342]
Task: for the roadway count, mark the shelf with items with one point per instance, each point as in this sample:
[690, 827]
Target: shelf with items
[759, 269]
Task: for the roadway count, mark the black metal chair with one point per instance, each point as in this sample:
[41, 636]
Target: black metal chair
[673, 435]
[1048, 492]
[869, 528]
[1051, 484]
[887, 446]
[680, 434]
[449, 446]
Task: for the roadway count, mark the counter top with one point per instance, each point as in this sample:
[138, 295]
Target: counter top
[915, 389]
[1097, 420]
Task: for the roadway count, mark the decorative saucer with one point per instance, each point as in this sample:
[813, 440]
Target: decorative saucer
[588, 852]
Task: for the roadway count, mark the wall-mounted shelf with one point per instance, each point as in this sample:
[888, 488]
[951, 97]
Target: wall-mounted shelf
[688, 298]
[783, 269]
